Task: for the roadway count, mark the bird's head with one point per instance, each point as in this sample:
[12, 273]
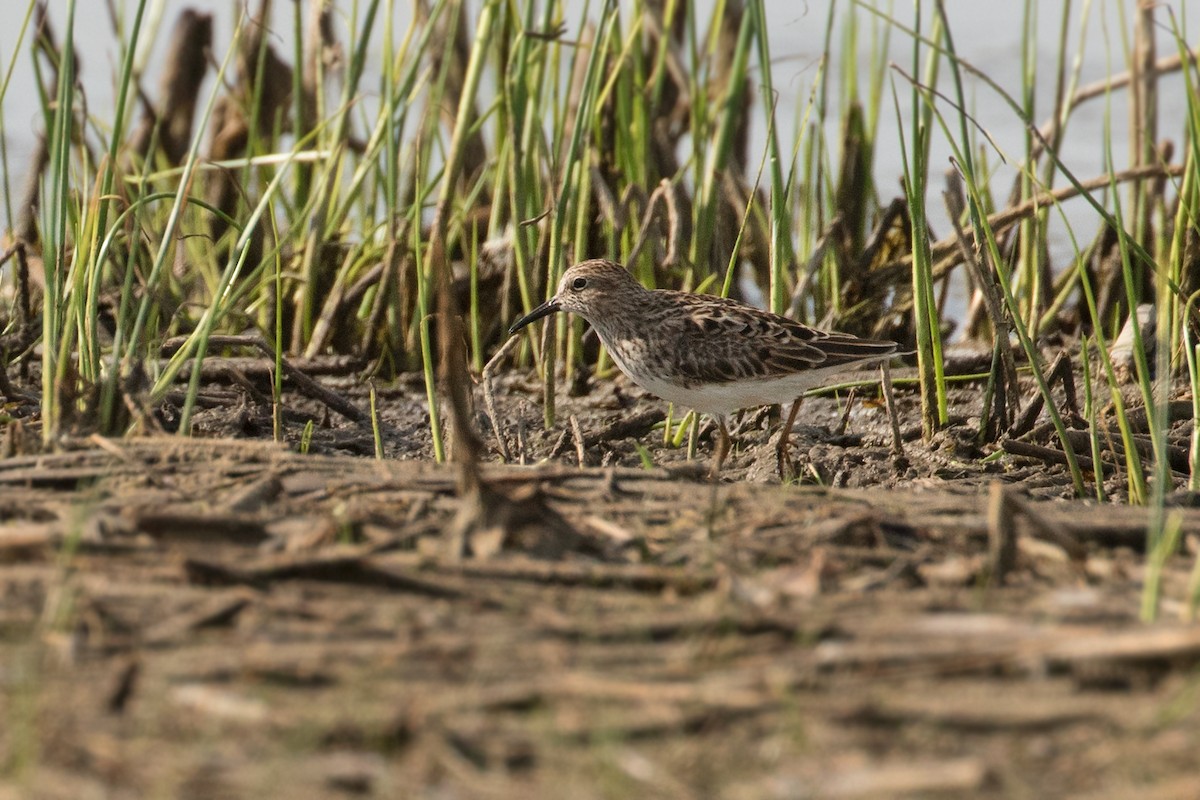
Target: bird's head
[592, 289]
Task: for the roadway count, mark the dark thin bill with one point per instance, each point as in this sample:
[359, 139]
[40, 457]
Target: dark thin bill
[544, 310]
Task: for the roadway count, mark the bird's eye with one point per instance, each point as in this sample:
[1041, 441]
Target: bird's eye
[579, 283]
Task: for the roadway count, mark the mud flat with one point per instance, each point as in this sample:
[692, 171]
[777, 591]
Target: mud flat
[225, 618]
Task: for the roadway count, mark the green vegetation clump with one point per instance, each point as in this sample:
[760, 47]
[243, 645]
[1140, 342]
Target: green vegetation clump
[397, 195]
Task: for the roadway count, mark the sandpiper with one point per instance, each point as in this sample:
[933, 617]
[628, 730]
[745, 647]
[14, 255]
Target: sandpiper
[708, 353]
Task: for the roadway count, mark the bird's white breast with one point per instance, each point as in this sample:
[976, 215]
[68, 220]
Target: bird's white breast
[725, 398]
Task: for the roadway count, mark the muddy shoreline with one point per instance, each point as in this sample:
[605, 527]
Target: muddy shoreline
[220, 617]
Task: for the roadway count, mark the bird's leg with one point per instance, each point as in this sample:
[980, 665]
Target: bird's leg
[722, 448]
[783, 459]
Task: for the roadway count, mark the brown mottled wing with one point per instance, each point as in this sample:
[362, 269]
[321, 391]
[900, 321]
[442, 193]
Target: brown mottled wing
[723, 341]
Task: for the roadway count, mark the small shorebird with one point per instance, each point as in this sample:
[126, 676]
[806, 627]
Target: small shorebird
[704, 352]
